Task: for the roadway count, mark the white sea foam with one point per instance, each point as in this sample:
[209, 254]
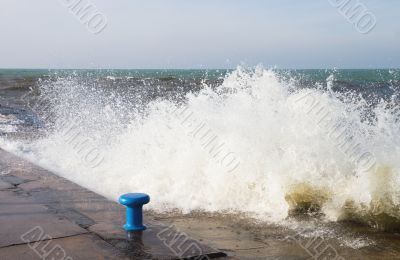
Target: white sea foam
[8, 124]
[288, 156]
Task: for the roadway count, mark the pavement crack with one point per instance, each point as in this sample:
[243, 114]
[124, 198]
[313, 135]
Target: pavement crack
[41, 240]
[243, 249]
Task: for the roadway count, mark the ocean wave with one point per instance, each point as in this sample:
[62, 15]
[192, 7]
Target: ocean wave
[296, 150]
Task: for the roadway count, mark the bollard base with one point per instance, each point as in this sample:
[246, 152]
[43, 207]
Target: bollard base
[129, 228]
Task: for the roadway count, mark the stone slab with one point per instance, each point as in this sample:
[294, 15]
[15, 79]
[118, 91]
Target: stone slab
[5, 185]
[81, 247]
[157, 242]
[13, 179]
[20, 215]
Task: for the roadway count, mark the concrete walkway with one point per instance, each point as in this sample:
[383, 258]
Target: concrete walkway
[43, 216]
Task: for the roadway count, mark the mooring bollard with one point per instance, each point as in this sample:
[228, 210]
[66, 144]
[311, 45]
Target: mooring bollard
[134, 214]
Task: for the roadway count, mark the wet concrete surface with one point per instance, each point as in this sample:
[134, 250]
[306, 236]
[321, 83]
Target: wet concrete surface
[85, 246]
[19, 215]
[43, 216]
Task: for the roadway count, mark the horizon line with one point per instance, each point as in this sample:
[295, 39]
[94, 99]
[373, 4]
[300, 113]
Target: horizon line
[273, 68]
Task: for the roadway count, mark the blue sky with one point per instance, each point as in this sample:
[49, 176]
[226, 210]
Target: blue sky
[198, 34]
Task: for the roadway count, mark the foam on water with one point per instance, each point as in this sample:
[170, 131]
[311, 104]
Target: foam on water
[256, 145]
[8, 124]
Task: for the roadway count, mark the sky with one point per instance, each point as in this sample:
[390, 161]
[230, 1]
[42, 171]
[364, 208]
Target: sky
[197, 34]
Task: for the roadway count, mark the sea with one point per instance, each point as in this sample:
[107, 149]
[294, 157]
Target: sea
[265, 144]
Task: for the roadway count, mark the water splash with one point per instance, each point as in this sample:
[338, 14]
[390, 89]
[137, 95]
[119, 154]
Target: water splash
[288, 163]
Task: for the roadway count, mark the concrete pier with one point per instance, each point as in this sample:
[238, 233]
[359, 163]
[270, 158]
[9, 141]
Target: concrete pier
[43, 216]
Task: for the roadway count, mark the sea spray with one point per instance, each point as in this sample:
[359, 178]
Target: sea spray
[287, 160]
[207, 139]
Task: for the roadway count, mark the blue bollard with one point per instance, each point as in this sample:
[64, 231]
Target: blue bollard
[134, 216]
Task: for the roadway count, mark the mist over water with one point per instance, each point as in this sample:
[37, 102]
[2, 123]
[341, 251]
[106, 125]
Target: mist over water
[259, 143]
